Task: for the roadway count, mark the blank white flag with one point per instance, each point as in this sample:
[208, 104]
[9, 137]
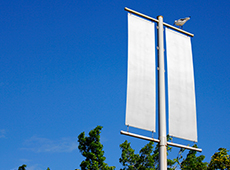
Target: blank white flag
[140, 105]
[181, 90]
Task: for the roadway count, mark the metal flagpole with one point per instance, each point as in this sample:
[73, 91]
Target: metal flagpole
[161, 97]
[162, 140]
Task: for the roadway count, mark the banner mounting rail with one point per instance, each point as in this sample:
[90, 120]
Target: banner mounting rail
[157, 140]
[155, 20]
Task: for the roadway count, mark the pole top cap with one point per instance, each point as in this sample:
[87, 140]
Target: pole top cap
[159, 16]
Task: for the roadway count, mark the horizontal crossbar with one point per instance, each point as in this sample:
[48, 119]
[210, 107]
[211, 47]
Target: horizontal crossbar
[155, 20]
[157, 140]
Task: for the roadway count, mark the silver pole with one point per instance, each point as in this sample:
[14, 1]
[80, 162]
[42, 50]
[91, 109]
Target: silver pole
[161, 98]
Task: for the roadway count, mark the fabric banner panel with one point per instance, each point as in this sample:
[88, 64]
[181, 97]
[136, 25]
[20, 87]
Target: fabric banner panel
[181, 90]
[140, 104]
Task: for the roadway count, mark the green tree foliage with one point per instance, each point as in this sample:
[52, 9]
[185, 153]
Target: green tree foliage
[91, 148]
[191, 161]
[147, 159]
[220, 160]
[23, 167]
[144, 160]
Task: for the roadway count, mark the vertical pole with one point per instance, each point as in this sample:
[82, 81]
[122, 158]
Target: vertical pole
[161, 97]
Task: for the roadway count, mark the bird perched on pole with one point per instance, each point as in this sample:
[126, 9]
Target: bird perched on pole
[181, 22]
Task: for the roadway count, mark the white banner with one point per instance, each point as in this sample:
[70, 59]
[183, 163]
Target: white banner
[181, 90]
[140, 105]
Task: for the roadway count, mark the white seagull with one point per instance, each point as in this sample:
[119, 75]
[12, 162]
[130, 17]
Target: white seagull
[181, 22]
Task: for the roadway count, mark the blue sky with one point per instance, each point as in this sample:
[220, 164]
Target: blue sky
[63, 71]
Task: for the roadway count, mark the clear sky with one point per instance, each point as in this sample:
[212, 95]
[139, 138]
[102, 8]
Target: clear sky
[63, 70]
